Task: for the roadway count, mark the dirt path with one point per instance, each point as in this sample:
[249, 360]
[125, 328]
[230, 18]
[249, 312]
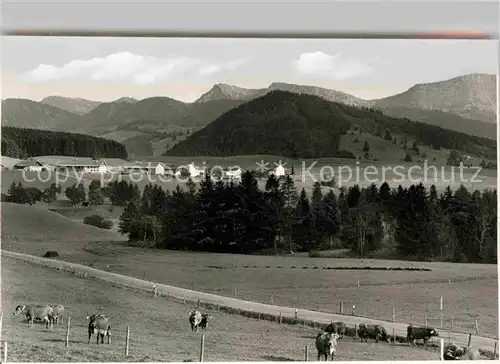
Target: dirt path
[180, 293]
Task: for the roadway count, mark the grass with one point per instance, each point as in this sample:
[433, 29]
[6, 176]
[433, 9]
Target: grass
[300, 281]
[159, 329]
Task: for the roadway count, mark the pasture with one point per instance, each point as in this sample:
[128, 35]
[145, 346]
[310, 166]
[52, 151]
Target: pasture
[301, 281]
[159, 329]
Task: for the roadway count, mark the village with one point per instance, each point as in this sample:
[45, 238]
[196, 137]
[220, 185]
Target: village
[115, 166]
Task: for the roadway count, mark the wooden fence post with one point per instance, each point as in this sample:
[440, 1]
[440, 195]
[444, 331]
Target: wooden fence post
[5, 352]
[358, 283]
[235, 293]
[393, 315]
[469, 339]
[67, 331]
[441, 349]
[441, 311]
[477, 327]
[341, 307]
[127, 338]
[495, 348]
[307, 353]
[296, 314]
[202, 347]
[272, 299]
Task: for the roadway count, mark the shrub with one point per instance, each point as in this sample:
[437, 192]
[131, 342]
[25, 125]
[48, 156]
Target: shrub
[98, 221]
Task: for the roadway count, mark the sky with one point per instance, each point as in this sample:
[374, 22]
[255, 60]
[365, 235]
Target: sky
[105, 69]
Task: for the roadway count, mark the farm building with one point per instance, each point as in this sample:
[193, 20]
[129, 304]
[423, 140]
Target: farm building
[31, 165]
[140, 167]
[84, 165]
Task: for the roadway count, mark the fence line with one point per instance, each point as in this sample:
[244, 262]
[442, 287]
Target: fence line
[192, 297]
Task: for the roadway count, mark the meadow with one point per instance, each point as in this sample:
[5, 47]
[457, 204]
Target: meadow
[293, 281]
[159, 329]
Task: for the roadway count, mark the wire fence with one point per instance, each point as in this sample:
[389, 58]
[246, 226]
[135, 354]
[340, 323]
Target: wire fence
[436, 315]
[395, 328]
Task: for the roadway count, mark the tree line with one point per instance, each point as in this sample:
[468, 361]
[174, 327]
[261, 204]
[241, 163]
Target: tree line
[410, 223]
[23, 143]
[415, 222]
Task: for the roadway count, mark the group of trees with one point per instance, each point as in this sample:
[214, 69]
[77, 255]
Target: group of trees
[414, 222]
[23, 143]
[410, 223]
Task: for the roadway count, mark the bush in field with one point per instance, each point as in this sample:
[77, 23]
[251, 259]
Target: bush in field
[98, 221]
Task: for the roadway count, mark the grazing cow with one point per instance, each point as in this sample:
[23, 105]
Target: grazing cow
[373, 332]
[326, 344]
[204, 320]
[58, 310]
[51, 254]
[99, 325]
[454, 352]
[419, 333]
[39, 312]
[195, 318]
[336, 328]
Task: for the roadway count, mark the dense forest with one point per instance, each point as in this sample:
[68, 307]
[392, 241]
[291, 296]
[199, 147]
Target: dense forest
[23, 143]
[305, 126]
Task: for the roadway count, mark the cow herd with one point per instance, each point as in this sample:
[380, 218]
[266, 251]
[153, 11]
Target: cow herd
[326, 341]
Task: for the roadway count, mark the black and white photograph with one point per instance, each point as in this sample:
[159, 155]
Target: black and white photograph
[178, 199]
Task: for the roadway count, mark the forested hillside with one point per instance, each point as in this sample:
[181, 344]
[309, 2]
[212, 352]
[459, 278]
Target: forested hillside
[24, 143]
[305, 126]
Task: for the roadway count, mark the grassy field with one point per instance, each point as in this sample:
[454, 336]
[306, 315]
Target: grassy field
[300, 281]
[159, 329]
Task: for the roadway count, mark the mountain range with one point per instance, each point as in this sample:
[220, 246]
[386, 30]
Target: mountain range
[465, 104]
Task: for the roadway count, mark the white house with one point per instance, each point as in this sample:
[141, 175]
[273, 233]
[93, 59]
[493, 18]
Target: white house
[194, 171]
[159, 168]
[234, 174]
[279, 171]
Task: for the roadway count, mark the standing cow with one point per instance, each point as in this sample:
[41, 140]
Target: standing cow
[57, 310]
[419, 333]
[376, 332]
[336, 328]
[195, 318]
[99, 325]
[204, 320]
[326, 344]
[39, 312]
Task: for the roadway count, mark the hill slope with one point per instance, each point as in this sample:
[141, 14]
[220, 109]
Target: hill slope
[23, 113]
[30, 223]
[472, 96]
[305, 126]
[74, 105]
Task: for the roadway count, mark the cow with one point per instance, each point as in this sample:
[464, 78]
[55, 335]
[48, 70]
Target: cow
[39, 312]
[204, 320]
[419, 333]
[454, 352]
[326, 344]
[58, 310]
[195, 318]
[374, 332]
[51, 254]
[336, 328]
[99, 325]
